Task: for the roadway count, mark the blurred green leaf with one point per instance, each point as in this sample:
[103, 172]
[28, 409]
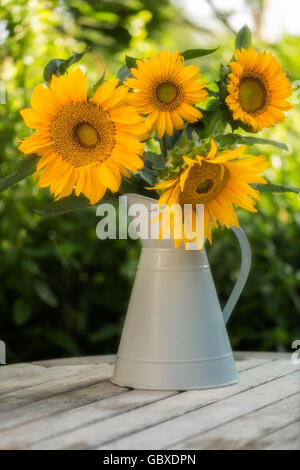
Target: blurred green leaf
[98, 83]
[233, 139]
[275, 188]
[148, 175]
[26, 167]
[59, 67]
[157, 160]
[211, 123]
[195, 53]
[130, 61]
[222, 84]
[105, 333]
[21, 312]
[170, 141]
[64, 340]
[64, 205]
[45, 293]
[70, 204]
[243, 38]
[193, 127]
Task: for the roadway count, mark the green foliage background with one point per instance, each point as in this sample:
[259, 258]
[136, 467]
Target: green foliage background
[62, 291]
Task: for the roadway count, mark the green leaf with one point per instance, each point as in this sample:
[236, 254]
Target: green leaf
[243, 38]
[104, 333]
[212, 123]
[258, 140]
[189, 54]
[124, 73]
[157, 160]
[25, 168]
[148, 175]
[64, 205]
[130, 61]
[60, 66]
[98, 83]
[64, 340]
[45, 294]
[192, 127]
[233, 139]
[170, 141]
[21, 312]
[70, 204]
[275, 188]
[224, 72]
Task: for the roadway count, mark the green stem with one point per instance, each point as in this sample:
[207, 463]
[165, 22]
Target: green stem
[163, 147]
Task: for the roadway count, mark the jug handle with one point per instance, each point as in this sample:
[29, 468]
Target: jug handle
[243, 274]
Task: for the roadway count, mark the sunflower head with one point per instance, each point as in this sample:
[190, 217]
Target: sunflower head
[166, 91]
[257, 89]
[219, 181]
[84, 144]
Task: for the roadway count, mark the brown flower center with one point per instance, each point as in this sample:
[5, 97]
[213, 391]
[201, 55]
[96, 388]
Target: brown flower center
[86, 134]
[83, 134]
[253, 93]
[204, 182]
[167, 94]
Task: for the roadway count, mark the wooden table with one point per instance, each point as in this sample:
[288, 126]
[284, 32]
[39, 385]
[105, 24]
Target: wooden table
[71, 404]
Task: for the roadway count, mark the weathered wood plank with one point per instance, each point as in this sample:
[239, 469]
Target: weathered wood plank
[24, 436]
[58, 403]
[177, 428]
[77, 361]
[90, 375]
[18, 370]
[113, 428]
[42, 375]
[262, 355]
[66, 401]
[285, 439]
[247, 431]
[66, 420]
[250, 363]
[67, 404]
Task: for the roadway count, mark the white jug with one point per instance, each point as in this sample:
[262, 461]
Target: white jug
[174, 336]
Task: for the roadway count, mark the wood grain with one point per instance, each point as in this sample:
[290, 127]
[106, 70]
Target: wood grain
[71, 404]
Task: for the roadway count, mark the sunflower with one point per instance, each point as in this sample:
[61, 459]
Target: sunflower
[218, 181]
[86, 144]
[257, 89]
[167, 91]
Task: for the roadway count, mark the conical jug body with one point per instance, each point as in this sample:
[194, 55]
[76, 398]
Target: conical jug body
[174, 336]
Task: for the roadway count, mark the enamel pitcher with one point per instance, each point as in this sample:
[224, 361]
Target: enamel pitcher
[174, 336]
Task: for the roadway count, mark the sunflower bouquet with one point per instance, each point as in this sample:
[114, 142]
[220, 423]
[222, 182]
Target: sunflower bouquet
[157, 129]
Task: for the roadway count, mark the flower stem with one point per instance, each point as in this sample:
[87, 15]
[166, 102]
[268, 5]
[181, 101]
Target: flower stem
[163, 146]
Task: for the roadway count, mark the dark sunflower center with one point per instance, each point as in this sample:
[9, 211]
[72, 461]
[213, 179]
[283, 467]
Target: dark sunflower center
[167, 94]
[253, 94]
[204, 186]
[83, 134]
[203, 183]
[86, 134]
